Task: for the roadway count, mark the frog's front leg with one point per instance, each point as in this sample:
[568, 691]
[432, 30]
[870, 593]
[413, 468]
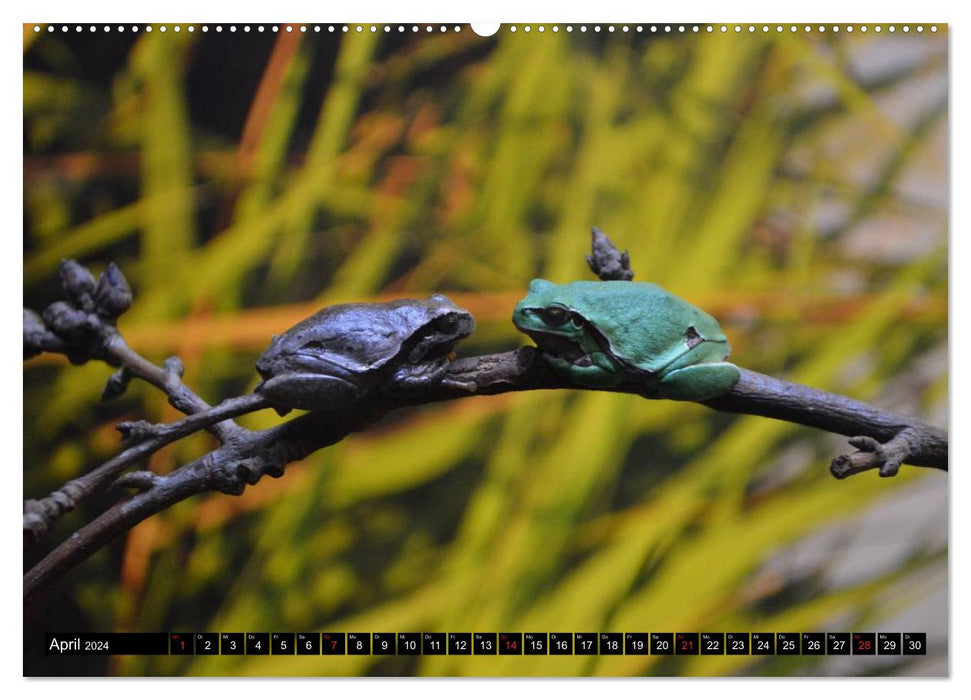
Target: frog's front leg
[596, 369]
[415, 378]
[699, 382]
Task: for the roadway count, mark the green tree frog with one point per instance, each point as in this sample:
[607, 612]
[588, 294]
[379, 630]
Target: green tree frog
[600, 334]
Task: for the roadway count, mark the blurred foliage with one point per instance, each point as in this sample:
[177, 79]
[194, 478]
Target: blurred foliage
[794, 185]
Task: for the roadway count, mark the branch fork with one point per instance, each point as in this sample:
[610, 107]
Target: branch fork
[873, 454]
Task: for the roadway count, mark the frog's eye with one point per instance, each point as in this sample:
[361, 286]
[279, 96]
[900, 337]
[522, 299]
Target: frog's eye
[692, 338]
[554, 315]
[448, 323]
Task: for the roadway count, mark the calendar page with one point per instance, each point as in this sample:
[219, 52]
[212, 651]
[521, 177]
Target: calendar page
[512, 350]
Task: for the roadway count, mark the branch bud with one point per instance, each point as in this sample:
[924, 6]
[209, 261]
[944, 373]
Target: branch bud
[34, 331]
[605, 261]
[140, 481]
[66, 321]
[117, 383]
[173, 365]
[78, 284]
[113, 295]
[134, 432]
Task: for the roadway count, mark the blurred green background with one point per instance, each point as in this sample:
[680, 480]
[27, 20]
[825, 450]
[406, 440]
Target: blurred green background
[793, 184]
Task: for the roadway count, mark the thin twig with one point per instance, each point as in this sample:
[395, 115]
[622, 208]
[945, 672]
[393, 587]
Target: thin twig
[227, 469]
[146, 439]
[168, 378]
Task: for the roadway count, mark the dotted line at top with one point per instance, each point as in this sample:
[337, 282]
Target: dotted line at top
[725, 28]
[316, 28]
[527, 28]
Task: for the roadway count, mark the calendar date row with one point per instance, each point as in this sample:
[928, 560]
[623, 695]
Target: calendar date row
[493, 643]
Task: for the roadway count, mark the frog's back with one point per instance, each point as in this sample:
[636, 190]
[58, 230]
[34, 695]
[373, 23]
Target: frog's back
[357, 336]
[640, 320]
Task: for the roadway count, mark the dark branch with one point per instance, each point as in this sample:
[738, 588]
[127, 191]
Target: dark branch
[906, 440]
[145, 439]
[884, 440]
[244, 461]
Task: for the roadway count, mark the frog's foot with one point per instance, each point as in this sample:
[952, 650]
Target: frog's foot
[416, 377]
[413, 378]
[595, 370]
[699, 382]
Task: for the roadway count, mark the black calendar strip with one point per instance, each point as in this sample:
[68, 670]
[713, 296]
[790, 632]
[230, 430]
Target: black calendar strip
[489, 643]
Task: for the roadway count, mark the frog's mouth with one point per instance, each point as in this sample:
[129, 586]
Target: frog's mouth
[437, 344]
[558, 345]
[431, 352]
